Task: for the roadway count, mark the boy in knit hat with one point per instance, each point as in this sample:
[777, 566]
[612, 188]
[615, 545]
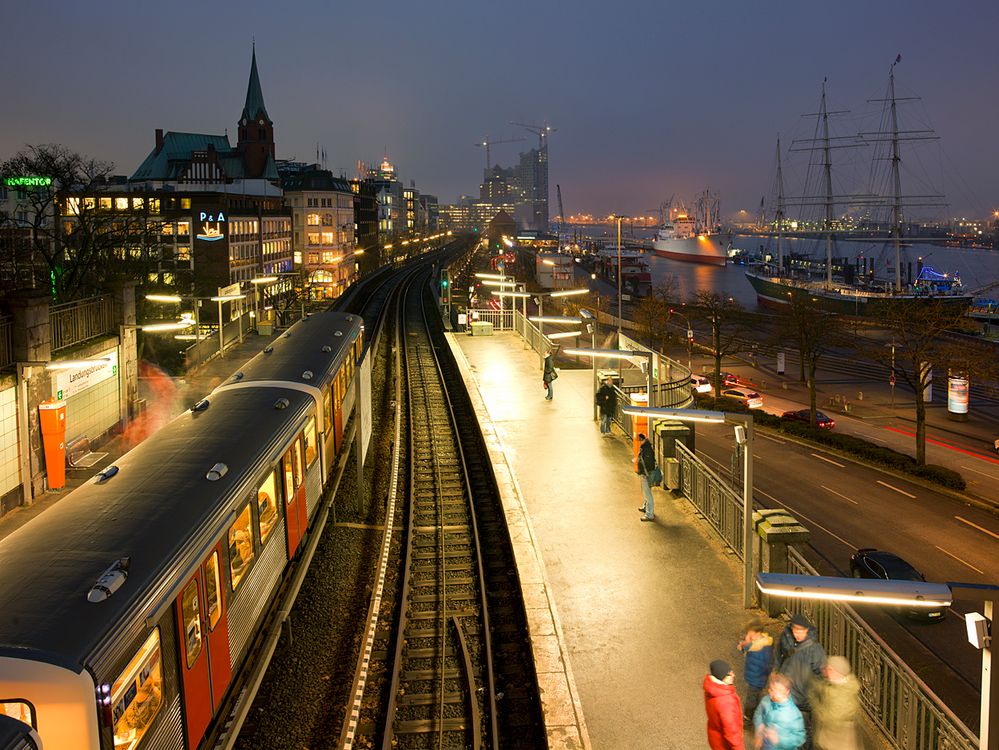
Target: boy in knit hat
[757, 645]
[721, 703]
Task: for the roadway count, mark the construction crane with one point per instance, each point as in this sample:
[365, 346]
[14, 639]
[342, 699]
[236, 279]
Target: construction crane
[561, 215]
[541, 131]
[487, 143]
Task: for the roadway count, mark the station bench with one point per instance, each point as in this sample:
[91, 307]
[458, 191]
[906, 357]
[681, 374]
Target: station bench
[79, 455]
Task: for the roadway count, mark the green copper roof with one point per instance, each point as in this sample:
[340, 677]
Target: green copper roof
[254, 96]
[173, 158]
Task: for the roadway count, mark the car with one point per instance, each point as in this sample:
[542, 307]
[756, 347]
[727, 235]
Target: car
[700, 384]
[749, 398]
[869, 562]
[804, 415]
[729, 378]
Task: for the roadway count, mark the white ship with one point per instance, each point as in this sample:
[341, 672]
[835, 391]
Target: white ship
[689, 238]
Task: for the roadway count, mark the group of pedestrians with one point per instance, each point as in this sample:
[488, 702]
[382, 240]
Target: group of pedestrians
[794, 696]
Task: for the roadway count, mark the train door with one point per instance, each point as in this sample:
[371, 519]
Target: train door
[297, 515]
[218, 627]
[196, 677]
[338, 392]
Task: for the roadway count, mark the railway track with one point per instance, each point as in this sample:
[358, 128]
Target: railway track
[448, 663]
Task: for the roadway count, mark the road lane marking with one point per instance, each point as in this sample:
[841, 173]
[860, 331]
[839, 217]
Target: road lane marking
[878, 440]
[829, 460]
[965, 451]
[798, 514]
[767, 437]
[975, 525]
[983, 473]
[963, 562]
[828, 489]
[901, 492]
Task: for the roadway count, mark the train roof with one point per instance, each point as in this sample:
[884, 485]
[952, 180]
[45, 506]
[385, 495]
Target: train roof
[301, 349]
[159, 510]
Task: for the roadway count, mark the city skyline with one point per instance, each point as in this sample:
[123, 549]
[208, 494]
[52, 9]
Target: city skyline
[645, 104]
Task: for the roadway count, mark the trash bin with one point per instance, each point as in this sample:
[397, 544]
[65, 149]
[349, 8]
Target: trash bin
[265, 328]
[481, 328]
[671, 474]
[638, 424]
[52, 414]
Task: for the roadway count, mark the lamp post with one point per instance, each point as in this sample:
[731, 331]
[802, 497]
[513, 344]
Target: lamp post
[619, 314]
[257, 282]
[911, 594]
[690, 337]
[744, 439]
[620, 354]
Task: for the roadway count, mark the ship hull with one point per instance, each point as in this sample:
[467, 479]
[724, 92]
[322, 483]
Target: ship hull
[774, 294]
[705, 249]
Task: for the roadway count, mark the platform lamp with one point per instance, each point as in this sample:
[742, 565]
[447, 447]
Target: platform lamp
[257, 282]
[911, 594]
[743, 424]
[595, 354]
[618, 218]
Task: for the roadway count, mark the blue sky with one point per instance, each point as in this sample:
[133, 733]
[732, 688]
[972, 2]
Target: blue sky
[649, 99]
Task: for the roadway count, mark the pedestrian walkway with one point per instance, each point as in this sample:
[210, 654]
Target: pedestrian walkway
[637, 610]
[164, 398]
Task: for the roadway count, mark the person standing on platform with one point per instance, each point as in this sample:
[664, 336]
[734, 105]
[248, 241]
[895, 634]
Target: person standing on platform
[549, 376]
[607, 401]
[721, 703]
[758, 648]
[836, 707]
[646, 462]
[777, 720]
[801, 658]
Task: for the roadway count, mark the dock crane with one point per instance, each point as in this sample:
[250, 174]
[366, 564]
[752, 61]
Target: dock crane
[487, 143]
[561, 215]
[541, 131]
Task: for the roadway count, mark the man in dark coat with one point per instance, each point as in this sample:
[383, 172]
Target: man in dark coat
[645, 463]
[721, 703]
[549, 375]
[801, 658]
[607, 401]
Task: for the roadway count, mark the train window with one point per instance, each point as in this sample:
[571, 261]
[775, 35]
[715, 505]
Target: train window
[289, 478]
[267, 512]
[137, 694]
[327, 409]
[240, 547]
[191, 614]
[296, 451]
[311, 448]
[20, 710]
[212, 588]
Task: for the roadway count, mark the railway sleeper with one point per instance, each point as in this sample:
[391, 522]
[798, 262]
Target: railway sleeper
[432, 614]
[426, 726]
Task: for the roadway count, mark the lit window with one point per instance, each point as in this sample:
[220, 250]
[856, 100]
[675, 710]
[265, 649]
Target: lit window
[138, 203]
[72, 207]
[314, 259]
[212, 589]
[297, 258]
[328, 410]
[183, 252]
[183, 228]
[137, 694]
[311, 448]
[105, 203]
[312, 219]
[121, 204]
[313, 238]
[185, 202]
[154, 205]
[167, 228]
[267, 514]
[89, 204]
[327, 238]
[240, 547]
[20, 710]
[190, 604]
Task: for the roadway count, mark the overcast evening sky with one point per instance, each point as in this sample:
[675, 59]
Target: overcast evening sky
[649, 98]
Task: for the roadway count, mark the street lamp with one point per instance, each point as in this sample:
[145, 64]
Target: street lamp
[911, 594]
[744, 439]
[619, 315]
[539, 300]
[690, 337]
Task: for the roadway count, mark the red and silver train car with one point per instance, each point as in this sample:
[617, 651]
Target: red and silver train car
[128, 608]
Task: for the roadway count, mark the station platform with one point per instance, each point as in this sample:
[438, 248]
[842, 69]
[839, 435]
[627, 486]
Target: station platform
[625, 616]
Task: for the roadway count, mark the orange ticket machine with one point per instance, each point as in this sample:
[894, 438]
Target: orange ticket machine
[52, 414]
[638, 424]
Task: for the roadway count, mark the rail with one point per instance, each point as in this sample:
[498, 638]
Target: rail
[73, 323]
[712, 497]
[908, 713]
[6, 343]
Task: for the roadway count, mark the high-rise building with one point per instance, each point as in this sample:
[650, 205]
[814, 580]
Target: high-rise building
[530, 189]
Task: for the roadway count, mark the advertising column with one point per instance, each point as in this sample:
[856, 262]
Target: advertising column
[957, 397]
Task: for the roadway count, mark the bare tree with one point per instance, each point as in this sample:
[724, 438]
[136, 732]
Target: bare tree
[814, 332]
[69, 241]
[653, 312]
[728, 325]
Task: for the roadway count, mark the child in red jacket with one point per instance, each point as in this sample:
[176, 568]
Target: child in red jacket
[721, 702]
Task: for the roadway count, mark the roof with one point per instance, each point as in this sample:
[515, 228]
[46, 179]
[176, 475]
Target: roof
[254, 96]
[314, 179]
[170, 161]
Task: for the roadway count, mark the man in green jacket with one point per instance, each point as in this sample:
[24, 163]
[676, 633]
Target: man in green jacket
[836, 707]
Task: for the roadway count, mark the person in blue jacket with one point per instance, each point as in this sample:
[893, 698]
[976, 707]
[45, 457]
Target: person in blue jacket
[777, 721]
[757, 645]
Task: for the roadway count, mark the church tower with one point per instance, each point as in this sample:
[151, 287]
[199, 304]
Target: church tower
[256, 131]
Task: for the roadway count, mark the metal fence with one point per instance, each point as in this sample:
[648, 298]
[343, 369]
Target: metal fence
[712, 497]
[502, 320]
[73, 323]
[6, 345]
[902, 706]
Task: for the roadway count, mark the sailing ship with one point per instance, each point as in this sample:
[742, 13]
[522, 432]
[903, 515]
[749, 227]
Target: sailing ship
[636, 278]
[856, 289]
[691, 238]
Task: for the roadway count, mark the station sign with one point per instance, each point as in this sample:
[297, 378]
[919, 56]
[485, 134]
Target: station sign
[69, 383]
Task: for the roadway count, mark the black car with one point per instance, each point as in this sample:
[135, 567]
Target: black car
[804, 415]
[874, 563]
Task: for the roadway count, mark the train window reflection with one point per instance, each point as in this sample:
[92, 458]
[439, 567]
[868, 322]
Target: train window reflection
[267, 513]
[296, 451]
[311, 451]
[240, 547]
[212, 589]
[137, 694]
[327, 409]
[20, 710]
[191, 615]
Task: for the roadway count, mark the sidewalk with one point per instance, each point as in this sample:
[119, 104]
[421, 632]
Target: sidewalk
[639, 609]
[165, 398]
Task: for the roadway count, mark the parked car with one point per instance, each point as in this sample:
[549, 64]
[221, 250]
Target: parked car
[729, 378]
[804, 415]
[750, 399]
[700, 384]
[887, 566]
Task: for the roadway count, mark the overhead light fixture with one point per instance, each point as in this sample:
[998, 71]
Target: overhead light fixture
[163, 298]
[565, 335]
[682, 415]
[76, 364]
[553, 319]
[569, 292]
[227, 297]
[860, 591]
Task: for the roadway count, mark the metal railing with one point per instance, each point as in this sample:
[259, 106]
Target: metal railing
[712, 497]
[6, 344]
[502, 320]
[908, 713]
[73, 323]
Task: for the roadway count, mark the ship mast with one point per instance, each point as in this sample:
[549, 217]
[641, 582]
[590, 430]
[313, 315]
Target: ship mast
[780, 214]
[896, 179]
[827, 168]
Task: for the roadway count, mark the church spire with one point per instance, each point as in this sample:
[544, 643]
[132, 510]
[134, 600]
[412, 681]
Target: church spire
[254, 108]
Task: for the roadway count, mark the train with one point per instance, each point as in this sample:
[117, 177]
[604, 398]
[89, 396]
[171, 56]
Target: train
[128, 609]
